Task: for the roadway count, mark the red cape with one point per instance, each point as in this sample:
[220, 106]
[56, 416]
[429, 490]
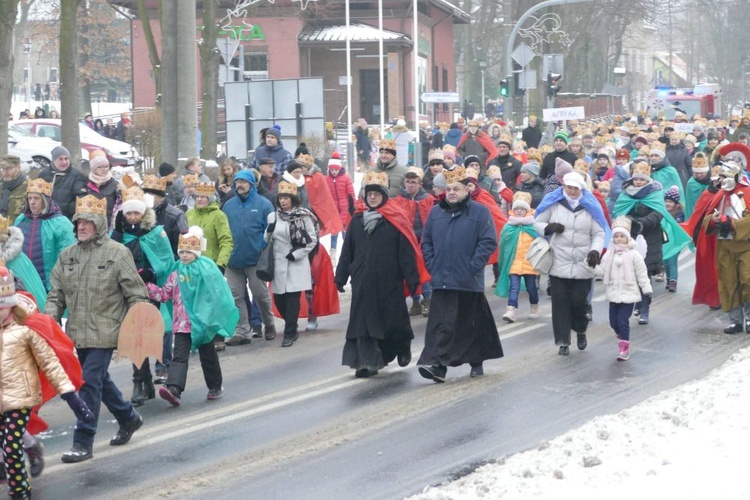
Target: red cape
[321, 202]
[396, 216]
[50, 331]
[599, 196]
[410, 207]
[498, 217]
[325, 297]
[486, 142]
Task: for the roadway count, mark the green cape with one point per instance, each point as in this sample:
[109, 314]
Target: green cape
[668, 177]
[677, 238]
[508, 245]
[208, 301]
[155, 244]
[693, 192]
[25, 271]
[57, 234]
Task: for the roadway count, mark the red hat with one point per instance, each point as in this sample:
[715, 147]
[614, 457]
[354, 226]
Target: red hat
[623, 154]
[335, 160]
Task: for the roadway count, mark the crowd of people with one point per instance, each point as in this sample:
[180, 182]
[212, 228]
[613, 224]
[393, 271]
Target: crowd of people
[614, 202]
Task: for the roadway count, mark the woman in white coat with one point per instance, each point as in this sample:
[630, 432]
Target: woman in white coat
[293, 231]
[574, 221]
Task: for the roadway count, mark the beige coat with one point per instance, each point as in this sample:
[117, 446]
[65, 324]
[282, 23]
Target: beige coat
[22, 353]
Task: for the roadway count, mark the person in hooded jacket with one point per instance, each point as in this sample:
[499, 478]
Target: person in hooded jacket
[342, 190]
[453, 135]
[45, 229]
[273, 148]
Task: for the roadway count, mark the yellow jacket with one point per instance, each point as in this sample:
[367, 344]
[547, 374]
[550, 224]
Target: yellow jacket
[22, 353]
[520, 264]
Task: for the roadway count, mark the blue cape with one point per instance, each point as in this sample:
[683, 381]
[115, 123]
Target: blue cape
[588, 202]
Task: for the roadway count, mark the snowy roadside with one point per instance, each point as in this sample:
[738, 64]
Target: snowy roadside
[687, 442]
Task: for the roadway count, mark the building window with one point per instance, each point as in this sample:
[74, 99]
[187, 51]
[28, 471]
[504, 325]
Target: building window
[256, 66]
[52, 75]
[435, 78]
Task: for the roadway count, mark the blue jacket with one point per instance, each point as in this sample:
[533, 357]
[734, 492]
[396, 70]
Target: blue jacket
[248, 216]
[452, 137]
[457, 244]
[281, 156]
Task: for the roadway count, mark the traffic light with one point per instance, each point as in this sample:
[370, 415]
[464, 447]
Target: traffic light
[503, 88]
[553, 84]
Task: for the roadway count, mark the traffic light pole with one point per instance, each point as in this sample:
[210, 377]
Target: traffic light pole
[508, 107]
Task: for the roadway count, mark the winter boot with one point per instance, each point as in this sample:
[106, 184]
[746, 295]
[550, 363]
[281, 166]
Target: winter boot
[510, 315]
[36, 457]
[645, 306]
[312, 323]
[148, 388]
[624, 350]
[672, 285]
[139, 394]
[426, 307]
[534, 311]
[581, 343]
[416, 308]
[659, 277]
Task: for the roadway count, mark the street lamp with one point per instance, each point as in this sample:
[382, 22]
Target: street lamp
[483, 65]
[27, 51]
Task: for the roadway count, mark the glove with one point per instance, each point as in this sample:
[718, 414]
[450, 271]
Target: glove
[351, 206]
[724, 228]
[553, 227]
[593, 258]
[271, 227]
[147, 275]
[79, 407]
[340, 287]
[290, 256]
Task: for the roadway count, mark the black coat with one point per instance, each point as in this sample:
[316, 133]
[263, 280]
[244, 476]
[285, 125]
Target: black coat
[535, 188]
[510, 169]
[548, 164]
[109, 192]
[647, 222]
[378, 264]
[532, 136]
[173, 220]
[66, 187]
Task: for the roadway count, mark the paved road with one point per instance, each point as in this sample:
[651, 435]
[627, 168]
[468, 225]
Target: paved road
[296, 424]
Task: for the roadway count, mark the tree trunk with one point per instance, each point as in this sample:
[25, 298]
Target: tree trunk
[71, 137]
[209, 80]
[168, 81]
[8, 13]
[187, 116]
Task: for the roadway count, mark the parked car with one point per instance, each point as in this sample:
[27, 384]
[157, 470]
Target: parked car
[38, 148]
[28, 165]
[118, 153]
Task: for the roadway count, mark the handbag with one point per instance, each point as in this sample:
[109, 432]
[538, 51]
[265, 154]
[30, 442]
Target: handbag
[540, 255]
[264, 267]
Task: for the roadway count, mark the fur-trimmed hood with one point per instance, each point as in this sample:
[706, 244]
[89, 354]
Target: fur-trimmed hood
[13, 246]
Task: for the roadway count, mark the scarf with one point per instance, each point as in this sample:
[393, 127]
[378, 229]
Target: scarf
[99, 180]
[371, 218]
[8, 188]
[526, 220]
[573, 202]
[621, 250]
[589, 202]
[298, 234]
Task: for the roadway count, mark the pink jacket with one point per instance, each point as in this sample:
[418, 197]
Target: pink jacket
[171, 291]
[341, 189]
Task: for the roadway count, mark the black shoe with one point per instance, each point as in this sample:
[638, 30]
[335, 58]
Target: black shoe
[220, 345]
[214, 394]
[148, 389]
[269, 332]
[126, 431]
[257, 332]
[564, 350]
[476, 370]
[36, 458]
[733, 328]
[404, 358]
[582, 343]
[289, 339]
[139, 395]
[435, 373]
[365, 373]
[238, 340]
[170, 394]
[78, 453]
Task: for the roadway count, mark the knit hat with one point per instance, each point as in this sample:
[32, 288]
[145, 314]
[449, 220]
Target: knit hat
[133, 200]
[276, 132]
[531, 168]
[700, 163]
[335, 160]
[59, 151]
[562, 167]
[301, 150]
[641, 139]
[7, 288]
[10, 160]
[522, 199]
[561, 134]
[623, 154]
[470, 159]
[98, 161]
[691, 139]
[165, 169]
[192, 241]
[388, 145]
[621, 225]
[574, 179]
[293, 165]
[439, 181]
[673, 193]
[641, 170]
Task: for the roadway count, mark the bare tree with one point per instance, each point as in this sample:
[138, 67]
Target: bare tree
[8, 14]
[71, 137]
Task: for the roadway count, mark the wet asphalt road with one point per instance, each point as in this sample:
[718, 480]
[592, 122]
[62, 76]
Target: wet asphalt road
[293, 423]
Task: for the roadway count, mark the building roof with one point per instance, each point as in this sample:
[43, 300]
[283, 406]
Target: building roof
[316, 33]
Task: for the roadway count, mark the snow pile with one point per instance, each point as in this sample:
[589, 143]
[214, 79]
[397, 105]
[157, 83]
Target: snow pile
[687, 442]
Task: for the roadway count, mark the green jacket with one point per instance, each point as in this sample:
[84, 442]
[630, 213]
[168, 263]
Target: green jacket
[17, 199]
[216, 231]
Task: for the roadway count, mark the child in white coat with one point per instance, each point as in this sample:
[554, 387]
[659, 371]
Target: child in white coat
[625, 275]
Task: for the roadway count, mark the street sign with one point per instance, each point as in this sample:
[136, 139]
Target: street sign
[686, 128]
[523, 54]
[560, 114]
[440, 97]
[527, 79]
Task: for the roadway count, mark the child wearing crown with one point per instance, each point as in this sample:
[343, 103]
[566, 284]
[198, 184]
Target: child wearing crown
[625, 275]
[202, 307]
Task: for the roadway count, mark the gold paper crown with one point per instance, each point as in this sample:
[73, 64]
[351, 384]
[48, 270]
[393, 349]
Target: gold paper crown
[287, 188]
[449, 148]
[416, 171]
[388, 144]
[581, 166]
[505, 138]
[493, 171]
[642, 169]
[189, 242]
[132, 193]
[90, 204]
[473, 123]
[155, 183]
[305, 159]
[205, 189]
[436, 154]
[534, 155]
[190, 180]
[658, 145]
[522, 195]
[700, 161]
[472, 173]
[39, 186]
[456, 175]
[376, 179]
[4, 224]
[623, 222]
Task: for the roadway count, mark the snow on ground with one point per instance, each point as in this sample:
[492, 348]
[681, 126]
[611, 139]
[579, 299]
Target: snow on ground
[688, 442]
